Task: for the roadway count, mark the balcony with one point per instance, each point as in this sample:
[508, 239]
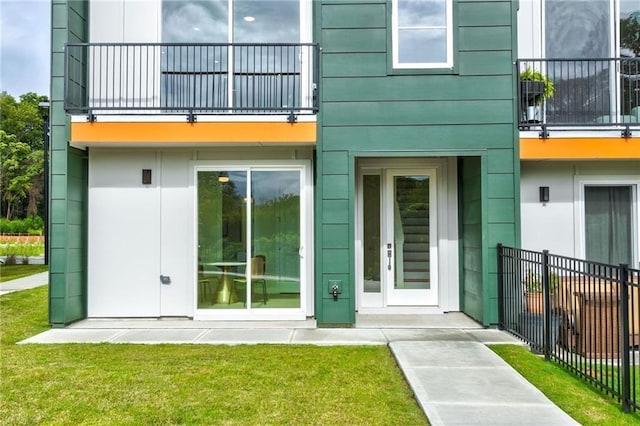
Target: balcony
[587, 94]
[191, 79]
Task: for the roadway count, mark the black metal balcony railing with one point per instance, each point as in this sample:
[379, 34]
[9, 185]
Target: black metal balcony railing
[584, 93]
[171, 78]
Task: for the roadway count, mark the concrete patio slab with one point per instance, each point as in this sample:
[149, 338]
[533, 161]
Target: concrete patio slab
[246, 337]
[417, 334]
[66, 335]
[160, 323]
[159, 336]
[448, 320]
[339, 336]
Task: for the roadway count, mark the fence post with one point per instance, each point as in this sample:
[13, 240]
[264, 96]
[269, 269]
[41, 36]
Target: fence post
[500, 289]
[624, 338]
[547, 305]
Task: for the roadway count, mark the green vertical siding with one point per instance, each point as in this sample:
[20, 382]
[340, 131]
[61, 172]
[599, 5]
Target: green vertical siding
[470, 224]
[369, 110]
[67, 239]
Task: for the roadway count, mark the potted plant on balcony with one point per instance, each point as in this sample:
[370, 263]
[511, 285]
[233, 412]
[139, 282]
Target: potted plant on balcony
[535, 87]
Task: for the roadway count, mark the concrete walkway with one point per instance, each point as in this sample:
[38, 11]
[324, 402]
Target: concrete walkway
[455, 378]
[24, 283]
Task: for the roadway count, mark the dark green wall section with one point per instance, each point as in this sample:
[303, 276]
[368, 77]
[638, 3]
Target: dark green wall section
[368, 110]
[67, 240]
[470, 224]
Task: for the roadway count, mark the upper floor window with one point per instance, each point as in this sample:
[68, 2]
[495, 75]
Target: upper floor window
[235, 21]
[422, 33]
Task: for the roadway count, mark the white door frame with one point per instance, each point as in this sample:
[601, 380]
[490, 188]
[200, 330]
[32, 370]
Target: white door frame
[447, 244]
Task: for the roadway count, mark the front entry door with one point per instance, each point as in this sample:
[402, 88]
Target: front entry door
[398, 251]
[410, 237]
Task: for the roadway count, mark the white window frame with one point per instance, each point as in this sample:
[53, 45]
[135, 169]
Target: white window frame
[422, 65]
[580, 182]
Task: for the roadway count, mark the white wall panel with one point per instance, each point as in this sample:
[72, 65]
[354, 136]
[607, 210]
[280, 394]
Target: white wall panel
[124, 242]
[128, 76]
[553, 225]
[125, 21]
[177, 231]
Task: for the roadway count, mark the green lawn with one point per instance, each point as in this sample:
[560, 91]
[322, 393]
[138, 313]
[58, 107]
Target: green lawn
[577, 398]
[192, 384]
[11, 272]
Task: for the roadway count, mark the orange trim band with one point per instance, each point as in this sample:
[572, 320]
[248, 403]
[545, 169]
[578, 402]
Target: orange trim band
[222, 132]
[579, 148]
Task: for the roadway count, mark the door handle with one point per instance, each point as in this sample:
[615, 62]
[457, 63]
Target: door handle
[389, 255]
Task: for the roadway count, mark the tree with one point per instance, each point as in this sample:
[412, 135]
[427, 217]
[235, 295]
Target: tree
[23, 118]
[21, 155]
[20, 165]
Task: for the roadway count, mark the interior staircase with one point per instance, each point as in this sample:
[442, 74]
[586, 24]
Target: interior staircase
[415, 224]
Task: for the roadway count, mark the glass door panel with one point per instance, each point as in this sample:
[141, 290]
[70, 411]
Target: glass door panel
[410, 237]
[222, 236]
[371, 233]
[411, 232]
[275, 242]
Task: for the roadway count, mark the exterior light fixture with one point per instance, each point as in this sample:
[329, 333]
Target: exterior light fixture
[146, 176]
[544, 194]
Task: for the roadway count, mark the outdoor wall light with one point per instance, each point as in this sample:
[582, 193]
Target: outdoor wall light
[544, 194]
[146, 176]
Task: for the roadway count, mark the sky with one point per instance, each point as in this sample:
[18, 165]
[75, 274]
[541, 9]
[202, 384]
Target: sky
[25, 45]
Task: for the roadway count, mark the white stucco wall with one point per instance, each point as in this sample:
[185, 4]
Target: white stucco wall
[556, 225]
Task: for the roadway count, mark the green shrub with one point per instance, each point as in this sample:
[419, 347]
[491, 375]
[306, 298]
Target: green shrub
[12, 250]
[32, 225]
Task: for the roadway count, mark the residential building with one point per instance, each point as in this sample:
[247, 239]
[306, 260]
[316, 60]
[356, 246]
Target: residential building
[580, 148]
[281, 160]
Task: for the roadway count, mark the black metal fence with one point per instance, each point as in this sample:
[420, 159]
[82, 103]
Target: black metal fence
[143, 78]
[583, 315]
[579, 92]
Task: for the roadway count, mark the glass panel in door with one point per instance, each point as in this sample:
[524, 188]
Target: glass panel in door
[275, 241]
[411, 239]
[371, 233]
[222, 236]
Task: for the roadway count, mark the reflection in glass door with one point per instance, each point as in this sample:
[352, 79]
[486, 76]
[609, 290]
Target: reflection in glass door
[249, 238]
[411, 244]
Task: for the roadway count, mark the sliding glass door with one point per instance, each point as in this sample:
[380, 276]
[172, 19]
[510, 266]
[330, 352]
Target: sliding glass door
[609, 224]
[249, 238]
